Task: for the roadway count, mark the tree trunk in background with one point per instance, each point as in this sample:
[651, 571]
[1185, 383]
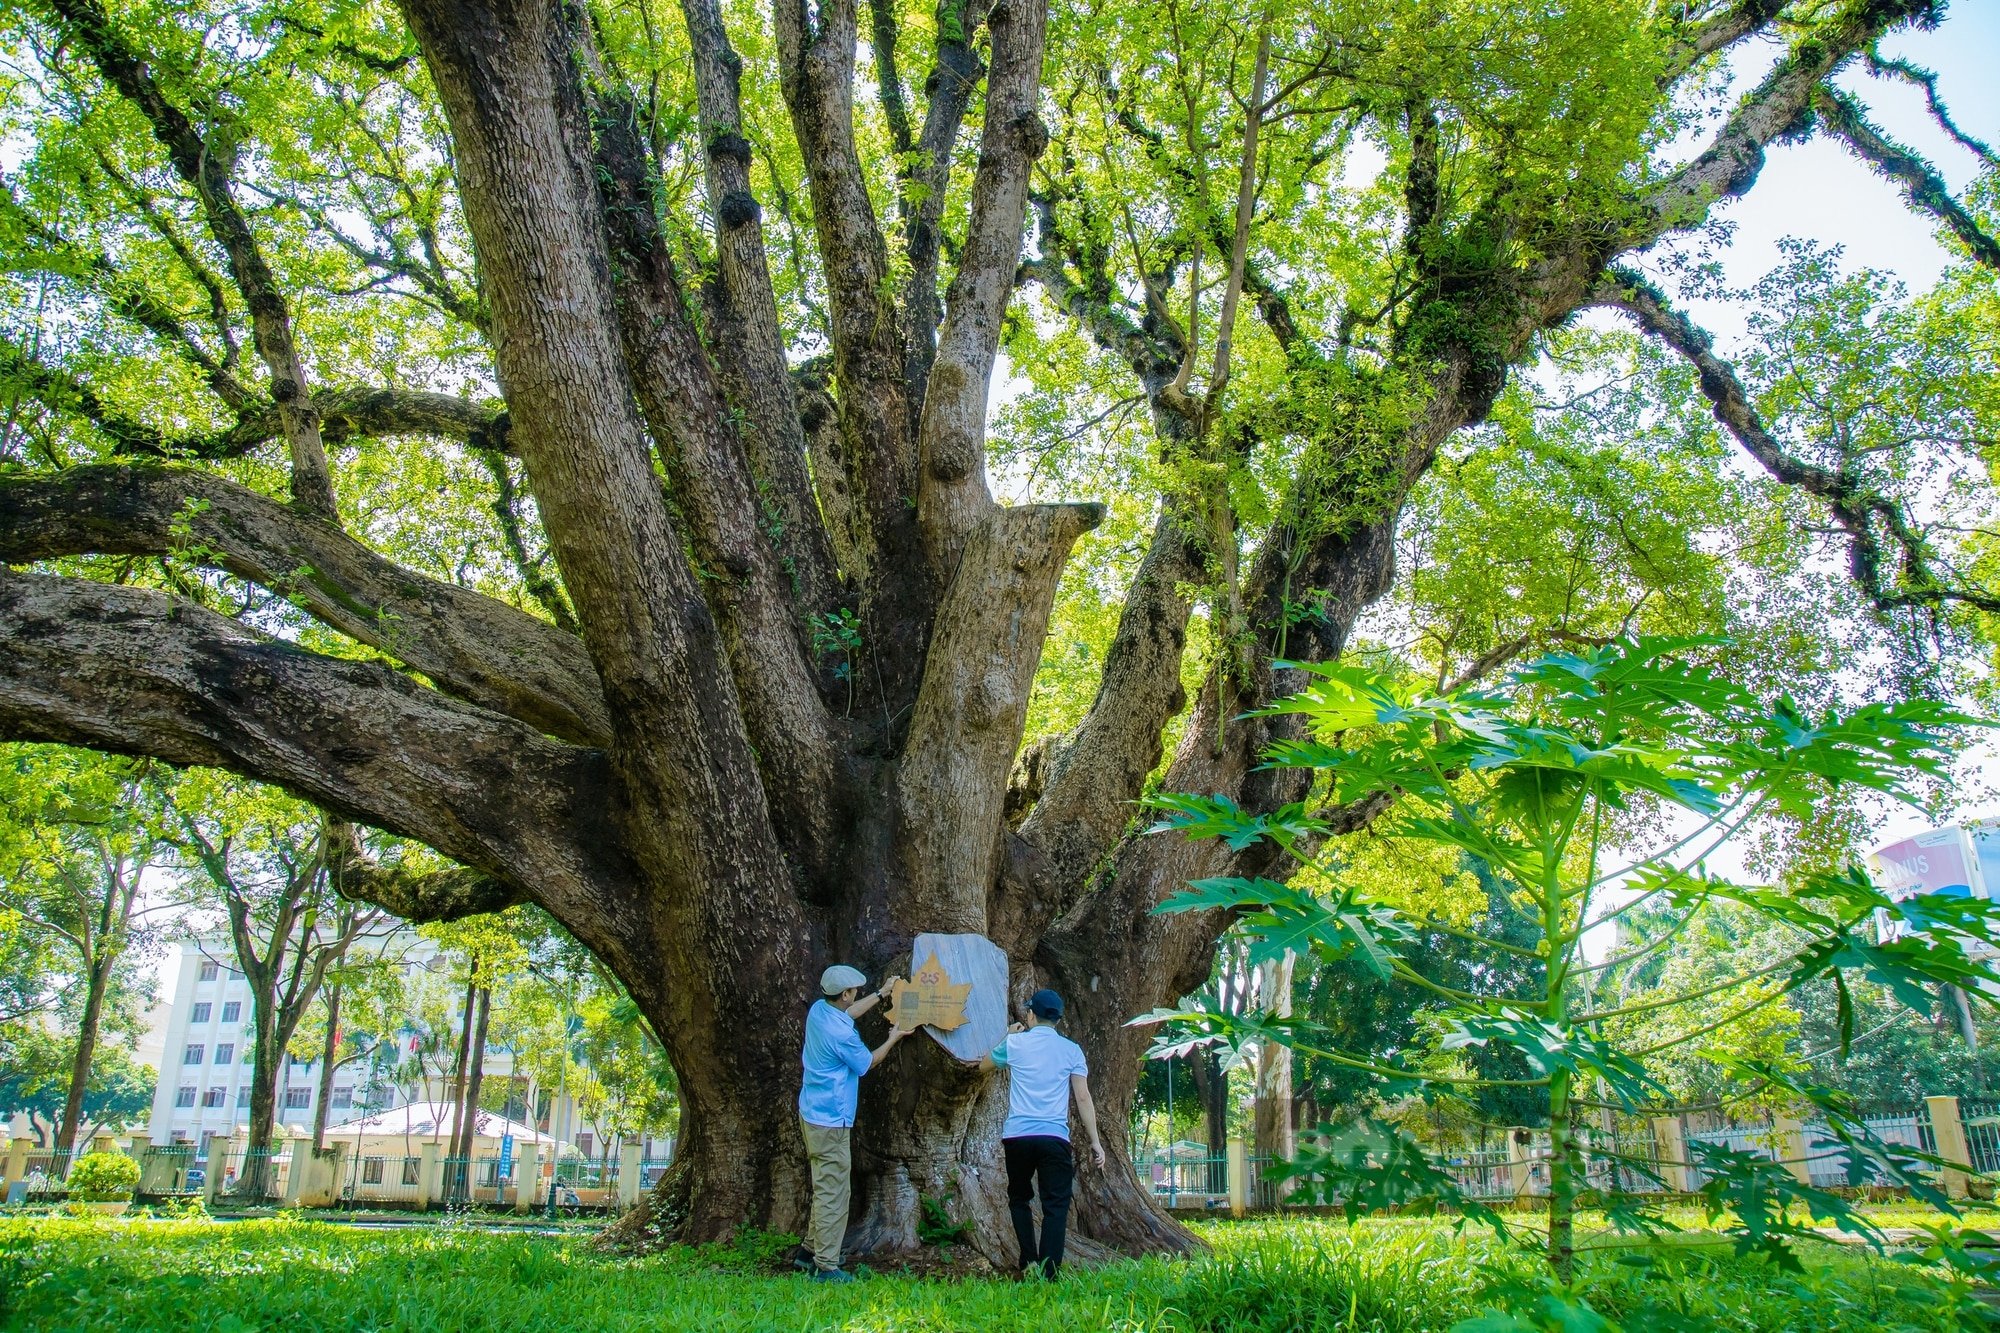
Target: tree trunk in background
[98, 984]
[1275, 1132]
[327, 1054]
[254, 1177]
[475, 1074]
[455, 1175]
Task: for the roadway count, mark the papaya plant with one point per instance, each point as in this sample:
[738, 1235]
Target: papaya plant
[1592, 784]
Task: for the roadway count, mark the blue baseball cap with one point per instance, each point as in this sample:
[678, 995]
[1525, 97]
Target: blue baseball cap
[1045, 1004]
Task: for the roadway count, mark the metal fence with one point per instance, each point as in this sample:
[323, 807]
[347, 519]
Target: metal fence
[1826, 1160]
[588, 1173]
[1626, 1159]
[250, 1176]
[43, 1173]
[171, 1169]
[394, 1180]
[1185, 1179]
[1982, 1134]
[650, 1171]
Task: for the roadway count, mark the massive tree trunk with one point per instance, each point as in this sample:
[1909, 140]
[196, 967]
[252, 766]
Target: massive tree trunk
[678, 782]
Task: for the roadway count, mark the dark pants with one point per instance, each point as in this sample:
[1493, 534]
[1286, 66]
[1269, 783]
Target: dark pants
[1046, 1159]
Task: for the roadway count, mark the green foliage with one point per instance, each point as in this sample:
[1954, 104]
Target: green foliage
[1539, 781]
[936, 1225]
[104, 1176]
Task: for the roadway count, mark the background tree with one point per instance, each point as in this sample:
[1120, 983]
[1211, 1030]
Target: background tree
[273, 865]
[598, 685]
[36, 1073]
[355, 1019]
[80, 835]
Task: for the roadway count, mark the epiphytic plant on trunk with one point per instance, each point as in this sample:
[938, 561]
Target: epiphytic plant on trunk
[591, 681]
[1552, 782]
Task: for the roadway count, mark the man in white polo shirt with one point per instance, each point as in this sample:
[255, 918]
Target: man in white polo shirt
[1044, 1071]
[835, 1058]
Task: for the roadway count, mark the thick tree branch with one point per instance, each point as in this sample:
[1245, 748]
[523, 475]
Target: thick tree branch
[698, 825]
[1925, 79]
[952, 496]
[926, 186]
[1096, 773]
[1779, 106]
[417, 897]
[473, 647]
[709, 471]
[1844, 118]
[816, 54]
[744, 335]
[481, 424]
[205, 164]
[969, 715]
[139, 672]
[1863, 512]
[1717, 31]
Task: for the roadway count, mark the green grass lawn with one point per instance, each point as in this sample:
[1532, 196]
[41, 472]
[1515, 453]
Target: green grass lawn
[1270, 1275]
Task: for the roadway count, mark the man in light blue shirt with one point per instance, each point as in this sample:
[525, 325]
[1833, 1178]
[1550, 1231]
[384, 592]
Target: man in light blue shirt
[1044, 1071]
[835, 1058]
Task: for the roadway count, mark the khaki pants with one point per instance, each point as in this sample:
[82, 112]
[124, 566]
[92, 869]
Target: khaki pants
[826, 1151]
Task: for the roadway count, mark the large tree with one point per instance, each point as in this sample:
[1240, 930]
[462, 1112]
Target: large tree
[756, 706]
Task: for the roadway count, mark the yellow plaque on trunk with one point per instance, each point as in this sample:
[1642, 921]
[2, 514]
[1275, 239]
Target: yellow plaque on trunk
[929, 998]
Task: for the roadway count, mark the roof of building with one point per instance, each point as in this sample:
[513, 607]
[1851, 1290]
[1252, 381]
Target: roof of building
[433, 1120]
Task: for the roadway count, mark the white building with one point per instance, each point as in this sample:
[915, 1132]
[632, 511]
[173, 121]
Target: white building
[206, 1053]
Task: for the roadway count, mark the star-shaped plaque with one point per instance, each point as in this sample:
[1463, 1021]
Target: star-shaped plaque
[930, 998]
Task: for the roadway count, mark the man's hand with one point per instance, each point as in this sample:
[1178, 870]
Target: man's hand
[1016, 1027]
[888, 990]
[1097, 1154]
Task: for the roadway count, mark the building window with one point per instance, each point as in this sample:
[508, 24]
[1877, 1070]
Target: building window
[585, 1142]
[184, 1097]
[232, 1010]
[213, 1097]
[243, 1095]
[411, 1166]
[298, 1099]
[224, 1052]
[192, 1055]
[209, 971]
[200, 1014]
[371, 1171]
[343, 1098]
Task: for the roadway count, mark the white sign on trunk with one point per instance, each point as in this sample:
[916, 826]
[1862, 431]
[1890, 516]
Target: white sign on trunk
[957, 992]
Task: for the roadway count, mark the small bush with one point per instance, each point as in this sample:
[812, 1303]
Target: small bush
[103, 1177]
